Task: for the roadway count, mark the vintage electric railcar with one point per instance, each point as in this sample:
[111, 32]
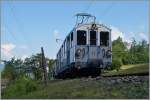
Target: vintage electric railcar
[86, 49]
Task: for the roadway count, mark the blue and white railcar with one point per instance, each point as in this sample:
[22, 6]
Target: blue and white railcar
[86, 49]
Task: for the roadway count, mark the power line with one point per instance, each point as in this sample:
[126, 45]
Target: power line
[106, 11]
[88, 6]
[11, 33]
[19, 24]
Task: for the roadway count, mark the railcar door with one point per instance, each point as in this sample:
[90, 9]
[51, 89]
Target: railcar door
[93, 43]
[105, 47]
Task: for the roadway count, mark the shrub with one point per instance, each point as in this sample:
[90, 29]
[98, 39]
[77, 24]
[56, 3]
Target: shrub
[21, 86]
[30, 86]
[116, 64]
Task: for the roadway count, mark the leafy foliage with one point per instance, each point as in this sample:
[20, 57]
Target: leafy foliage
[17, 67]
[116, 64]
[12, 69]
[123, 54]
[50, 64]
[22, 85]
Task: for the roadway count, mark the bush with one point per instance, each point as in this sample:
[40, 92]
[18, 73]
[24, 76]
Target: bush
[21, 86]
[30, 86]
[116, 64]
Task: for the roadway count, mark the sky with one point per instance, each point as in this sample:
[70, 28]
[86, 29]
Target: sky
[26, 26]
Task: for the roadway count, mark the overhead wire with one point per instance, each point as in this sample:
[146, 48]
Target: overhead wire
[20, 27]
[12, 36]
[88, 6]
[104, 13]
[107, 10]
[7, 29]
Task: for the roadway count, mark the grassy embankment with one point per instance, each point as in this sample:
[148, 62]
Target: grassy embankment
[87, 88]
[129, 69]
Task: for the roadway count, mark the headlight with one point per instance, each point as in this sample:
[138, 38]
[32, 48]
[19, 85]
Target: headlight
[78, 51]
[108, 54]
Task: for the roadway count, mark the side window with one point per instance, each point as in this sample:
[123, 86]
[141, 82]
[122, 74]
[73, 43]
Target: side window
[92, 37]
[71, 39]
[64, 47]
[81, 37]
[68, 42]
[59, 53]
[104, 38]
[62, 50]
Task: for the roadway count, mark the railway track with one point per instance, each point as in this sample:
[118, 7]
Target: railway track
[119, 79]
[120, 76]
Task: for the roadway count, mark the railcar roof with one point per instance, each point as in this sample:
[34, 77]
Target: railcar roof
[80, 25]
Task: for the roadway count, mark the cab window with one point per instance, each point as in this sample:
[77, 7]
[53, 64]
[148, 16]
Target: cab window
[81, 37]
[104, 38]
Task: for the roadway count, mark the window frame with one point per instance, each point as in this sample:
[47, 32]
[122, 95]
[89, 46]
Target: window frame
[71, 39]
[82, 39]
[93, 39]
[107, 42]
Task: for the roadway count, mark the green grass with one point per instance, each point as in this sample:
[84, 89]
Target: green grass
[91, 89]
[129, 69]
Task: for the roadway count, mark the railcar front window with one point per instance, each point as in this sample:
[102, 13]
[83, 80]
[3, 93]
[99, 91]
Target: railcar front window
[92, 37]
[81, 37]
[104, 38]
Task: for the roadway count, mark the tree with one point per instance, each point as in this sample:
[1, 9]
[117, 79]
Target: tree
[118, 52]
[34, 64]
[118, 48]
[137, 53]
[11, 70]
[50, 65]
